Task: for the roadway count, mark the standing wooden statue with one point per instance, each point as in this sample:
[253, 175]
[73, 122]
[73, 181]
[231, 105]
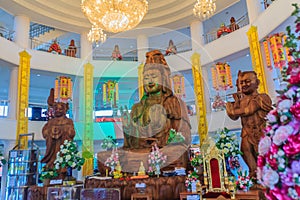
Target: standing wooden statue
[252, 108]
[56, 130]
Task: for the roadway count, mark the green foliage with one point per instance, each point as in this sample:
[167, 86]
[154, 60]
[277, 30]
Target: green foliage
[109, 142]
[228, 143]
[68, 156]
[175, 137]
[48, 173]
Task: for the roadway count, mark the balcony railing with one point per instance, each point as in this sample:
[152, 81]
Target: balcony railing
[6, 33]
[45, 46]
[213, 35]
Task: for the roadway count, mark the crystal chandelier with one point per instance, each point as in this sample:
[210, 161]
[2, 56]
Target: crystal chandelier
[96, 35]
[115, 15]
[204, 9]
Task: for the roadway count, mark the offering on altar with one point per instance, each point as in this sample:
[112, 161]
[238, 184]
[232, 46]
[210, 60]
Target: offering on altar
[142, 170]
[118, 171]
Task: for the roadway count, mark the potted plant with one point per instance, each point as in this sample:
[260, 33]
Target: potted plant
[69, 158]
[47, 174]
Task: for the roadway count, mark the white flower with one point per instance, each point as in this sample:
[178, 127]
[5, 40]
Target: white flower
[264, 145]
[66, 142]
[281, 134]
[68, 157]
[271, 118]
[284, 105]
[270, 178]
[73, 165]
[57, 166]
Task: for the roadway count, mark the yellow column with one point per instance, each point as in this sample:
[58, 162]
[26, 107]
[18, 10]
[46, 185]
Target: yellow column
[200, 99]
[256, 57]
[23, 94]
[88, 134]
[140, 80]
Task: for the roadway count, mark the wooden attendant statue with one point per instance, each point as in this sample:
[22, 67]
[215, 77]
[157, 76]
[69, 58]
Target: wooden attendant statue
[252, 107]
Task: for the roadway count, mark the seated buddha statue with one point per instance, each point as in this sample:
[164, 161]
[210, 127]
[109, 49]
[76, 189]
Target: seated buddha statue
[151, 120]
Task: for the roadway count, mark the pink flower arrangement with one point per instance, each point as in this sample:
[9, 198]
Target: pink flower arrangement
[156, 159]
[113, 160]
[191, 178]
[279, 150]
[244, 181]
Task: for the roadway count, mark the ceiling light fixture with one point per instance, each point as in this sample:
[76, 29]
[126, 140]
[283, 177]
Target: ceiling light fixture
[204, 9]
[96, 35]
[115, 15]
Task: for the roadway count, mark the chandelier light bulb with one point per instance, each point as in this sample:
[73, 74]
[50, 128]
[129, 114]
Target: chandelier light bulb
[96, 35]
[204, 9]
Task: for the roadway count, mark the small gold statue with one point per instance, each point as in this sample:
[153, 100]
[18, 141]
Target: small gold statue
[118, 171]
[142, 170]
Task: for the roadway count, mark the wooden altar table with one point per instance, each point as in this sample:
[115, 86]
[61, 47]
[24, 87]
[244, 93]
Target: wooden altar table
[159, 188]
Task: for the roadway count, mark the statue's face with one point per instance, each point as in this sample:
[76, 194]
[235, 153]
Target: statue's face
[248, 83]
[152, 81]
[59, 109]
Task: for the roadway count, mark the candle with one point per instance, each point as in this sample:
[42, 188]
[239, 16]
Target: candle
[106, 172]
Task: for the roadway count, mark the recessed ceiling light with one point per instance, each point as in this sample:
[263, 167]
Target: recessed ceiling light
[247, 55]
[38, 75]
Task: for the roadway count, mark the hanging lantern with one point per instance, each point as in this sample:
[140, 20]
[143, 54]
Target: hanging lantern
[110, 93]
[228, 75]
[221, 76]
[267, 53]
[178, 85]
[277, 50]
[214, 78]
[63, 89]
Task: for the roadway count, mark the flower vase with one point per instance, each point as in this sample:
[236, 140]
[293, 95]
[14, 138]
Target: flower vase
[69, 179]
[112, 169]
[246, 189]
[157, 171]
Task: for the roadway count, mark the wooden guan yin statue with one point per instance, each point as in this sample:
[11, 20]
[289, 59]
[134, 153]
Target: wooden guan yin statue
[151, 119]
[56, 130]
[252, 107]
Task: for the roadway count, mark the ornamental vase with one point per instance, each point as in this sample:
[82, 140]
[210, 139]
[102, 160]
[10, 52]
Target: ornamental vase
[112, 169]
[69, 179]
[157, 170]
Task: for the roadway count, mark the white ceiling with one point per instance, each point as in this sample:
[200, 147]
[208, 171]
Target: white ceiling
[67, 14]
